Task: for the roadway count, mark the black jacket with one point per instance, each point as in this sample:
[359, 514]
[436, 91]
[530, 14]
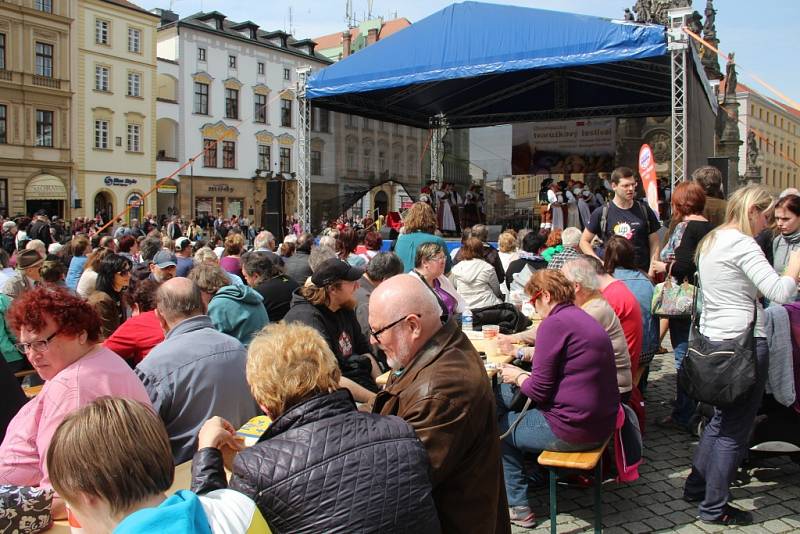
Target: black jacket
[296, 267]
[323, 466]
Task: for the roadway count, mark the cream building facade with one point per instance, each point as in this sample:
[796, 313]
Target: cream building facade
[115, 109]
[36, 169]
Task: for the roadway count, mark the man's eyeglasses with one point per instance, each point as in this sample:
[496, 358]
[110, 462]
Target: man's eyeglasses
[37, 346]
[376, 333]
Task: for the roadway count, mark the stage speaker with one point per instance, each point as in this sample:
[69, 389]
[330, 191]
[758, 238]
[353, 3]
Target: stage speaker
[722, 165]
[272, 215]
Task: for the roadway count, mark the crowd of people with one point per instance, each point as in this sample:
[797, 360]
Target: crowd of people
[154, 345]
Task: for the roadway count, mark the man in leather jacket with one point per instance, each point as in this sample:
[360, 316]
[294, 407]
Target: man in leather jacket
[439, 386]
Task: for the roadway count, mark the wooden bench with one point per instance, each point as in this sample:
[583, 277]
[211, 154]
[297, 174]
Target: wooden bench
[580, 461]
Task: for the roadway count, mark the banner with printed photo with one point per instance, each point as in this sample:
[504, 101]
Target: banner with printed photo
[584, 146]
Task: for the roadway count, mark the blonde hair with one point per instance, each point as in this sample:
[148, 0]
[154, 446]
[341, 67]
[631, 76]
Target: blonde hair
[738, 213]
[507, 242]
[287, 363]
[234, 244]
[205, 255]
[167, 243]
[113, 448]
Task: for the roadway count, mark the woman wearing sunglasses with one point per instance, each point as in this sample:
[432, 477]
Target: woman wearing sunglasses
[113, 278]
[573, 387]
[59, 333]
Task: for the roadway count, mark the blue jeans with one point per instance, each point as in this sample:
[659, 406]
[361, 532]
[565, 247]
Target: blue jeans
[723, 445]
[679, 336]
[532, 434]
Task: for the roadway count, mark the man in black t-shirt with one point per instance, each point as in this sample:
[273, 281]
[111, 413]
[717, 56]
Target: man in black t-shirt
[626, 217]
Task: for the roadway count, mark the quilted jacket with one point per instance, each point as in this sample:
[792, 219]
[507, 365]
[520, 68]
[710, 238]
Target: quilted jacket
[323, 466]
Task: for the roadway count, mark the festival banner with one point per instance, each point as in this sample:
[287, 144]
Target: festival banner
[647, 170]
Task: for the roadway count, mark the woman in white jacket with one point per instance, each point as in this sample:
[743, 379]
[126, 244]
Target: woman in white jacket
[474, 278]
[733, 271]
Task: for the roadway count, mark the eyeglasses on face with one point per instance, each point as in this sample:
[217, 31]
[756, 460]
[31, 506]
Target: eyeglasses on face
[376, 333]
[36, 346]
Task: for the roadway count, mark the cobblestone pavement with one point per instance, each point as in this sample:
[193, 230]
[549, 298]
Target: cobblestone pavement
[653, 503]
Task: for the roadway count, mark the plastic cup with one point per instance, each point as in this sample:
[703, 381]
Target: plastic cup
[490, 348]
[490, 331]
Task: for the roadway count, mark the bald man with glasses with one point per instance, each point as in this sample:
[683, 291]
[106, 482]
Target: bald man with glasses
[439, 387]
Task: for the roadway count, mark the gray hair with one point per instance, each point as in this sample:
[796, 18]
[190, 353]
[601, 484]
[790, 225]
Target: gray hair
[205, 255]
[176, 302]
[327, 241]
[570, 237]
[149, 248]
[319, 255]
[263, 239]
[259, 262]
[384, 265]
[37, 245]
[581, 271]
[480, 231]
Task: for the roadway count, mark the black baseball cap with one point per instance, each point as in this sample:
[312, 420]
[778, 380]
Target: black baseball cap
[333, 270]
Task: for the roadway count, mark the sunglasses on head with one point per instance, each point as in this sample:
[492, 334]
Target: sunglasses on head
[536, 295]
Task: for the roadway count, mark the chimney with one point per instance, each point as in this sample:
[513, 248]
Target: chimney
[372, 36]
[345, 44]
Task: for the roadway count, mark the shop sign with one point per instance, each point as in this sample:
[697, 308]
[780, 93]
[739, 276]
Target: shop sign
[220, 188]
[168, 189]
[121, 182]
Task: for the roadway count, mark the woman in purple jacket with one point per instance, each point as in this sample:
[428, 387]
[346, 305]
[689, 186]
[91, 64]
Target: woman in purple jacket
[573, 387]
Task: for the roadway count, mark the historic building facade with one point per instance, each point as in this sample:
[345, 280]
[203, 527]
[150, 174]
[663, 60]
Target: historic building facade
[231, 88]
[115, 109]
[36, 85]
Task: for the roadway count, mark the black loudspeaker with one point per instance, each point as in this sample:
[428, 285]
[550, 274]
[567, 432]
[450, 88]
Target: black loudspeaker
[722, 165]
[272, 215]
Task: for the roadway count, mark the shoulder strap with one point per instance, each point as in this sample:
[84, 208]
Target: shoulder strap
[604, 220]
[643, 209]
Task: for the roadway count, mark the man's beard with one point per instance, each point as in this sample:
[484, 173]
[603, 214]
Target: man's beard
[401, 359]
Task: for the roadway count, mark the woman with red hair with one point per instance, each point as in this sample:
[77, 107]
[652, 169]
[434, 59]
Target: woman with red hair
[677, 258]
[59, 333]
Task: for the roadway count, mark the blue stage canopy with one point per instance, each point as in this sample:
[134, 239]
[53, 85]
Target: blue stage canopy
[482, 64]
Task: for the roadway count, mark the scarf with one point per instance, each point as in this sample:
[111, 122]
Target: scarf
[782, 247]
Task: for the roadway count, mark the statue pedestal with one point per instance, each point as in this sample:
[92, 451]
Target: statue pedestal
[752, 175]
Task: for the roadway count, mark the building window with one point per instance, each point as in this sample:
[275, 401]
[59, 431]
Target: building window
[286, 160]
[101, 75]
[367, 157]
[44, 128]
[4, 195]
[101, 134]
[209, 153]
[261, 68]
[3, 139]
[201, 54]
[101, 28]
[316, 163]
[201, 98]
[287, 74]
[396, 163]
[324, 120]
[134, 40]
[232, 62]
[231, 103]
[381, 161]
[286, 112]
[351, 158]
[134, 84]
[260, 111]
[264, 157]
[134, 138]
[367, 125]
[351, 121]
[228, 155]
[2, 51]
[44, 60]
[44, 5]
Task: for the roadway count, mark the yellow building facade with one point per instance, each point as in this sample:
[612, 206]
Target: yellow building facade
[36, 163]
[115, 109]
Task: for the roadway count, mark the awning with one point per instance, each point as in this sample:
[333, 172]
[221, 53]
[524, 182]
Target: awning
[483, 64]
[45, 187]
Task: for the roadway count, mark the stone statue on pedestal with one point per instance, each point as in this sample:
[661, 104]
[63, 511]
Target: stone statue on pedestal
[655, 11]
[753, 172]
[709, 57]
[731, 81]
[628, 15]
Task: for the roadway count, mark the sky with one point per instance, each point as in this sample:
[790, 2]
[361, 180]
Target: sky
[763, 35]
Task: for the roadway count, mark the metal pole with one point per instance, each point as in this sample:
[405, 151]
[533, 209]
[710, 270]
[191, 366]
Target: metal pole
[439, 126]
[678, 45]
[304, 150]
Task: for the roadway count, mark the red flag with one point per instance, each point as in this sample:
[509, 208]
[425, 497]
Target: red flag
[647, 170]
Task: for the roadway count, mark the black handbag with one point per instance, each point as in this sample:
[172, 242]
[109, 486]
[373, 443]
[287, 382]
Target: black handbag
[719, 373]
